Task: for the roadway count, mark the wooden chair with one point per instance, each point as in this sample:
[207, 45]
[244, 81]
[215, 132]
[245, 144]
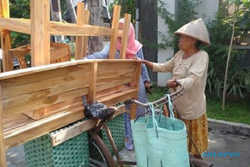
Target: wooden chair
[58, 53]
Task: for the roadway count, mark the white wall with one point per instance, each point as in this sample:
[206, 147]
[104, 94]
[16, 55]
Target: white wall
[163, 55]
[75, 2]
[207, 9]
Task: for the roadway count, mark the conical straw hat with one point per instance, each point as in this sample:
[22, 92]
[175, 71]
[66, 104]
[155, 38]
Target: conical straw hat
[195, 29]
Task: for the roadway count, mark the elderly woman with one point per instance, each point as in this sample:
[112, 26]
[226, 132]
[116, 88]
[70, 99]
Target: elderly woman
[189, 67]
[134, 49]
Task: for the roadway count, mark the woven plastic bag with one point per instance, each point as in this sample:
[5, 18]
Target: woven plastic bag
[160, 141]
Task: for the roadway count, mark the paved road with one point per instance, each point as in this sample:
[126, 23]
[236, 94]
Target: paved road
[218, 143]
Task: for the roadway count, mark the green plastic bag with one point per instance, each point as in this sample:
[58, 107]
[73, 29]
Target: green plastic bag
[160, 141]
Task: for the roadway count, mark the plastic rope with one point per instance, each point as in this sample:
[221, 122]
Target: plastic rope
[170, 106]
[155, 124]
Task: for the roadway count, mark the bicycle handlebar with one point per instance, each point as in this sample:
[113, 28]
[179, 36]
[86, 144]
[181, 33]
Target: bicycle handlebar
[160, 101]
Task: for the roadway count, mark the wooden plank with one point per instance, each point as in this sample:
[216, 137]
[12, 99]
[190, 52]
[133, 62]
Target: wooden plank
[76, 30]
[56, 28]
[71, 132]
[107, 77]
[126, 28]
[92, 83]
[115, 24]
[78, 128]
[58, 51]
[63, 78]
[119, 64]
[109, 91]
[136, 85]
[2, 141]
[119, 75]
[44, 126]
[85, 38]
[5, 9]
[54, 108]
[6, 46]
[29, 104]
[17, 25]
[16, 121]
[40, 37]
[38, 90]
[79, 39]
[16, 73]
[118, 97]
[19, 54]
[6, 39]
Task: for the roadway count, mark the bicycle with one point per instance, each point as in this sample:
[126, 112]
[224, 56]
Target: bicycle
[100, 155]
[103, 156]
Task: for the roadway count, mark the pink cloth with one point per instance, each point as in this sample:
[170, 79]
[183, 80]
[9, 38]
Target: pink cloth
[133, 45]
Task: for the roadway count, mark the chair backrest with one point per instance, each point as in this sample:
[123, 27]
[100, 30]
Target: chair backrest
[58, 53]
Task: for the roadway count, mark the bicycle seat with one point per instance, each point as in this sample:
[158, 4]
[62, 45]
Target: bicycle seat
[99, 111]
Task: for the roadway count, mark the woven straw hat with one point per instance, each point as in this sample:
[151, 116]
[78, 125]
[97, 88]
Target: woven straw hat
[195, 29]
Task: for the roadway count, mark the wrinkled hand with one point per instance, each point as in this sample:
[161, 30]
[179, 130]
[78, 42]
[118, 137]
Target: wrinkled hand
[172, 83]
[147, 87]
[139, 60]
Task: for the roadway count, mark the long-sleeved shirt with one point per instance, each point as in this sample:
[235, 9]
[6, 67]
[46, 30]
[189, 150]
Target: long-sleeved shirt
[192, 74]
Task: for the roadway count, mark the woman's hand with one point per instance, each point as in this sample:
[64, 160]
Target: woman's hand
[139, 60]
[172, 83]
[147, 87]
[147, 63]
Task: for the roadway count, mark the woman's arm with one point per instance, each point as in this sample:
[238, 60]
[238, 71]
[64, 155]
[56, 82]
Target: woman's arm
[100, 55]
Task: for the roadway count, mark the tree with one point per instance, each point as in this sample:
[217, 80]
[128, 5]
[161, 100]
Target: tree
[95, 8]
[71, 10]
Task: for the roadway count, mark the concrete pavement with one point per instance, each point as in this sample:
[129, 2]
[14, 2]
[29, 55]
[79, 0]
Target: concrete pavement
[229, 146]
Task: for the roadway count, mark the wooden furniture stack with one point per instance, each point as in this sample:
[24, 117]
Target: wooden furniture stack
[46, 97]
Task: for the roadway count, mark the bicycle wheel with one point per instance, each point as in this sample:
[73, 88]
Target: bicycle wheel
[99, 154]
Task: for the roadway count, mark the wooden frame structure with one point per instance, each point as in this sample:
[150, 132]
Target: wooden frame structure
[38, 100]
[41, 28]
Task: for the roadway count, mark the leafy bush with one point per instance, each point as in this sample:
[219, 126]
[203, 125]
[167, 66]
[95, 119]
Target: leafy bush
[220, 29]
[19, 9]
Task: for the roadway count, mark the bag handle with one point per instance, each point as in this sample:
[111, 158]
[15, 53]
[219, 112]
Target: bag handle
[155, 124]
[170, 106]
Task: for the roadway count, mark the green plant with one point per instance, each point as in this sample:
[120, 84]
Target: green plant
[128, 6]
[220, 29]
[243, 22]
[19, 9]
[185, 14]
[234, 111]
[158, 92]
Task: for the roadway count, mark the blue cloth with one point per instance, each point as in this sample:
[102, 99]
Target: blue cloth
[142, 96]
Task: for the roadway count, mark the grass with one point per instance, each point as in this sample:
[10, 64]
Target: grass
[234, 111]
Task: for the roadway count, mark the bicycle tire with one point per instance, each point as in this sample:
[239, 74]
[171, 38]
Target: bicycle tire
[99, 155]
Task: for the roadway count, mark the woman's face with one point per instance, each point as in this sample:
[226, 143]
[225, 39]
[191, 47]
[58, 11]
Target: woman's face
[120, 28]
[186, 42]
